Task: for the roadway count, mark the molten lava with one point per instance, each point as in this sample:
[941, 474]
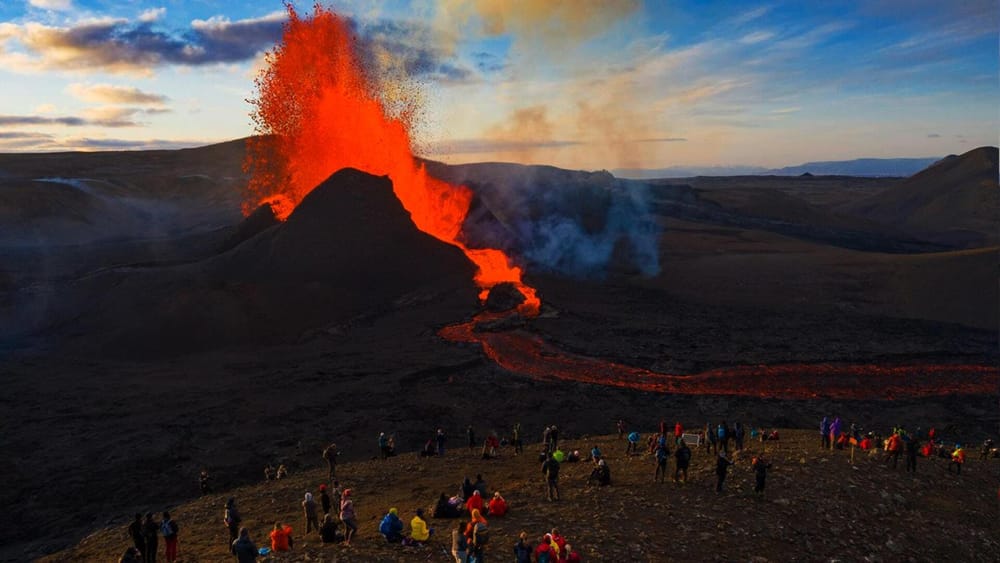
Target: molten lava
[525, 353]
[318, 110]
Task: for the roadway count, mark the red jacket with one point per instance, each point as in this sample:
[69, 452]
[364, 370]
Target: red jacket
[678, 430]
[279, 538]
[498, 506]
[475, 502]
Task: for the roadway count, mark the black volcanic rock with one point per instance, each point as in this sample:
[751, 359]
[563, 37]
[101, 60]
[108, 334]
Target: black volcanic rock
[259, 220]
[504, 297]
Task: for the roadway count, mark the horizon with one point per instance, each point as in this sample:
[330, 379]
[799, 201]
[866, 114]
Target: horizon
[625, 85]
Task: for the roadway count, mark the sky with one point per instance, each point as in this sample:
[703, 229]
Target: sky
[588, 84]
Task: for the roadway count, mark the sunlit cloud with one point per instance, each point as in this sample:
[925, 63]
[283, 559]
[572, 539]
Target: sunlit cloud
[111, 94]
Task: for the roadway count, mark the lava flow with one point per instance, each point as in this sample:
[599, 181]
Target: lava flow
[525, 353]
[318, 110]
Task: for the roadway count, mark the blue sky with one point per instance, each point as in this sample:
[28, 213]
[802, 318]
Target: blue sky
[575, 83]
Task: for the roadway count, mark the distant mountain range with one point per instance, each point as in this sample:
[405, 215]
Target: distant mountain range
[858, 167]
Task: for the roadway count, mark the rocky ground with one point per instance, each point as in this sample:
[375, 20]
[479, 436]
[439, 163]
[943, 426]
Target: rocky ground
[818, 506]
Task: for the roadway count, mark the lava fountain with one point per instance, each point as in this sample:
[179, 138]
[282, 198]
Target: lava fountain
[318, 109]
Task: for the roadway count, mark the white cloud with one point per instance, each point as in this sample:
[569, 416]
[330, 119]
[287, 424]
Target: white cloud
[111, 94]
[46, 108]
[756, 37]
[152, 15]
[54, 5]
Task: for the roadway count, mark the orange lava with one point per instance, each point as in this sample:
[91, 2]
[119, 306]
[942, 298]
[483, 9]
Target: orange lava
[318, 111]
[528, 354]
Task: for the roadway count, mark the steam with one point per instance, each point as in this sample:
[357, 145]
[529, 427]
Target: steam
[578, 224]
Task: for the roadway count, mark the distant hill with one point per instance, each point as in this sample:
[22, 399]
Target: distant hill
[954, 201]
[686, 172]
[899, 167]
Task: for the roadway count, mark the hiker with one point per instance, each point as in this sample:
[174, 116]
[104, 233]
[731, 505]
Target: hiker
[554, 436]
[135, 532]
[391, 526]
[824, 433]
[460, 543]
[243, 548]
[440, 442]
[490, 446]
[523, 549]
[391, 444]
[472, 438]
[444, 508]
[478, 536]
[738, 434]
[987, 449]
[475, 502]
[328, 531]
[429, 449]
[324, 499]
[269, 472]
[633, 443]
[330, 455]
[621, 428]
[335, 497]
[309, 509]
[131, 555]
[383, 445]
[683, 458]
[595, 453]
[678, 433]
[516, 439]
[546, 439]
[601, 473]
[835, 431]
[893, 447]
[169, 530]
[347, 516]
[912, 449]
[570, 556]
[498, 505]
[281, 473]
[723, 433]
[957, 459]
[281, 537]
[150, 535]
[203, 482]
[232, 519]
[551, 471]
[663, 427]
[722, 464]
[546, 552]
[480, 485]
[662, 455]
[713, 439]
[760, 467]
[419, 532]
[558, 540]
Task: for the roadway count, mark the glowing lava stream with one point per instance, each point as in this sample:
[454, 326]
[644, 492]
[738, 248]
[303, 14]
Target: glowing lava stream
[521, 352]
[319, 110]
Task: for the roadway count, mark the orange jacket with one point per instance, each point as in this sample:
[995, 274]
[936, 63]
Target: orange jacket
[958, 456]
[279, 538]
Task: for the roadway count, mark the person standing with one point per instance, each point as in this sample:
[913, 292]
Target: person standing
[760, 467]
[722, 464]
[150, 533]
[309, 509]
[324, 499]
[347, 516]
[678, 433]
[440, 442]
[232, 519]
[662, 455]
[135, 532]
[683, 459]
[383, 445]
[518, 444]
[957, 458]
[554, 437]
[471, 435]
[912, 448]
[551, 471]
[330, 455]
[738, 434]
[243, 548]
[460, 543]
[169, 530]
[621, 428]
[824, 433]
[523, 549]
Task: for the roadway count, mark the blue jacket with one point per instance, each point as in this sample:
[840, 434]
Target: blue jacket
[391, 525]
[824, 426]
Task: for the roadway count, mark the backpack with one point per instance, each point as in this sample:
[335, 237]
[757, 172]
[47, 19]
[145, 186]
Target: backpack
[480, 534]
[544, 557]
[168, 528]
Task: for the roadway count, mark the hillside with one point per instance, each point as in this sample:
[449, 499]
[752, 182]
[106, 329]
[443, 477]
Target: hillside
[954, 201]
[818, 506]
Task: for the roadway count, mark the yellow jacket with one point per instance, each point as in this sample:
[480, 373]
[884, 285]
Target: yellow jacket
[419, 531]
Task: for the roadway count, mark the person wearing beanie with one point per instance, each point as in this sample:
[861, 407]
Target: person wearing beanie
[419, 531]
[498, 506]
[309, 508]
[324, 499]
[391, 526]
[347, 516]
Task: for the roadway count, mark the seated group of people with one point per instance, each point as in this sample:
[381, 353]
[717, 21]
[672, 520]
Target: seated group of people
[391, 528]
[272, 474]
[471, 496]
[551, 548]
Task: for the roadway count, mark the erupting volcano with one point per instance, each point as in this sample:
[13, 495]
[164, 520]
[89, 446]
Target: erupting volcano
[318, 110]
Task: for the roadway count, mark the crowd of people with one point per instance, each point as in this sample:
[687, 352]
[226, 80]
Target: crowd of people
[473, 503]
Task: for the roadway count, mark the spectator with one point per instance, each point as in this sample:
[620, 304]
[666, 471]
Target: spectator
[391, 527]
[471, 434]
[551, 471]
[135, 532]
[309, 510]
[150, 533]
[324, 499]
[169, 530]
[281, 537]
[497, 506]
[328, 531]
[440, 442]
[330, 455]
[232, 519]
[348, 517]
[243, 548]
[760, 467]
[683, 458]
[475, 502]
[460, 543]
[523, 549]
[662, 455]
[722, 464]
[419, 532]
[957, 459]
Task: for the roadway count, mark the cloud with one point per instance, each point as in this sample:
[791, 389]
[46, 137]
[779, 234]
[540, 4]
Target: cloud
[31, 141]
[756, 37]
[45, 108]
[118, 45]
[100, 117]
[54, 5]
[152, 15]
[784, 111]
[489, 145]
[933, 136]
[110, 94]
[408, 49]
[539, 22]
[661, 140]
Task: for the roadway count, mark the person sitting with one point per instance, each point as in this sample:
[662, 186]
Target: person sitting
[601, 474]
[419, 532]
[281, 537]
[573, 457]
[328, 531]
[497, 506]
[391, 526]
[444, 508]
[475, 502]
[570, 556]
[595, 453]
[430, 449]
[269, 472]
